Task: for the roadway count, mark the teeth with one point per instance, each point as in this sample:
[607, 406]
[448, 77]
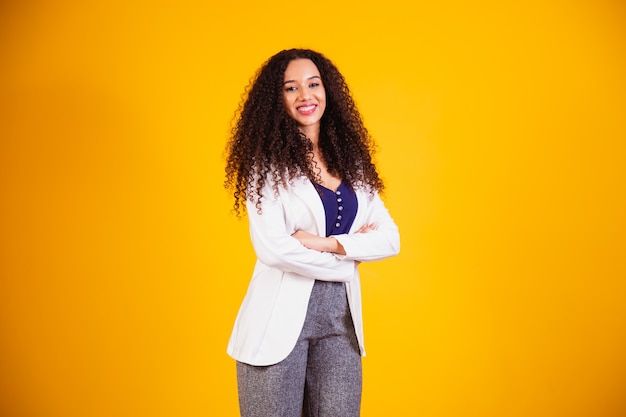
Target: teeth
[306, 108]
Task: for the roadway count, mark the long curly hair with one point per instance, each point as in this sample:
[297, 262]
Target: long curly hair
[266, 145]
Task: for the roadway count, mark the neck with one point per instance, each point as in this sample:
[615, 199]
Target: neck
[312, 133]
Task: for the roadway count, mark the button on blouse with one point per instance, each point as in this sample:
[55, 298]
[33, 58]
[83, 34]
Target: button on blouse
[340, 207]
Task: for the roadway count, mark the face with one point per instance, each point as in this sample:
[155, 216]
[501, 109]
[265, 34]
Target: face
[304, 96]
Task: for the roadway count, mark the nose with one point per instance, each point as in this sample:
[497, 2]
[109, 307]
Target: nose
[303, 94]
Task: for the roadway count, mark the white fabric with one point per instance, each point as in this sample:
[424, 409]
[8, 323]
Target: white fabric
[273, 311]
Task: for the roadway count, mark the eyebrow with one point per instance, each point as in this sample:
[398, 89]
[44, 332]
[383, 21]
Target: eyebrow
[310, 78]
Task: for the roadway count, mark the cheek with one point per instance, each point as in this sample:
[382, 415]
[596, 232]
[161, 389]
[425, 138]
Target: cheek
[288, 110]
[322, 98]
[323, 102]
[287, 101]
[285, 104]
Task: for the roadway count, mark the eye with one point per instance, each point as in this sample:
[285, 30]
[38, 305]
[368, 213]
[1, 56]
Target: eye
[313, 85]
[290, 88]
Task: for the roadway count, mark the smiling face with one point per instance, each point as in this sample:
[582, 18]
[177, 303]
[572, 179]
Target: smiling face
[304, 95]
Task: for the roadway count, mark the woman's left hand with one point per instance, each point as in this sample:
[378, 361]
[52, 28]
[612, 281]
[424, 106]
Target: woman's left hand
[366, 228]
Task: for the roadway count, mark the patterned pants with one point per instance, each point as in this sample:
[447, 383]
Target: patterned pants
[321, 377]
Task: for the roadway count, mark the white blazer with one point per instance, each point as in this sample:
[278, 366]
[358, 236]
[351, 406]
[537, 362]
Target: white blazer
[272, 313]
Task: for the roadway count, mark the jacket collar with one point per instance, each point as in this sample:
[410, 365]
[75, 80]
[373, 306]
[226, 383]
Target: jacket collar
[306, 190]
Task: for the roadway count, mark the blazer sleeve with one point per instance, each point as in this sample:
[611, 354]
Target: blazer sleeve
[276, 248]
[381, 243]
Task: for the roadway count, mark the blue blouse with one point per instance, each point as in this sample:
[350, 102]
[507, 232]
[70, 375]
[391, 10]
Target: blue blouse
[340, 207]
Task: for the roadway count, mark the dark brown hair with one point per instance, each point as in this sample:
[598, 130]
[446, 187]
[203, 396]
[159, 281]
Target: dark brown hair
[266, 144]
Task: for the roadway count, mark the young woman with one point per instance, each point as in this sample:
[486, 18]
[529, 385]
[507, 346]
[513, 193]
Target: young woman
[299, 162]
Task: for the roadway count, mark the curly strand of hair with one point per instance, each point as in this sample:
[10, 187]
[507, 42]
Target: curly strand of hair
[265, 144]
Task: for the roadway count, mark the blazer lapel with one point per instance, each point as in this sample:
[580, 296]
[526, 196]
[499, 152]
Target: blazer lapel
[305, 190]
[361, 213]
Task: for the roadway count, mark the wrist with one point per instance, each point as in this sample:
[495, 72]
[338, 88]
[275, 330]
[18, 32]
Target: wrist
[335, 246]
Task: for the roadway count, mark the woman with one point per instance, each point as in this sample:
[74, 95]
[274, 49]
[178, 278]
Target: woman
[299, 162]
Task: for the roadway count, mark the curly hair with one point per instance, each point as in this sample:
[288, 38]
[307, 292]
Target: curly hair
[266, 144]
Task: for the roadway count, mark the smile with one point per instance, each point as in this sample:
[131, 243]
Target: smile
[306, 110]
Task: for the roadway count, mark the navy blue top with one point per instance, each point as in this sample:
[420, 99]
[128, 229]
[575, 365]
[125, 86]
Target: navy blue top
[340, 207]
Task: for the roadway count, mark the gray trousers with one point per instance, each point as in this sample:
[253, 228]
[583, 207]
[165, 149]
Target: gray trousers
[321, 377]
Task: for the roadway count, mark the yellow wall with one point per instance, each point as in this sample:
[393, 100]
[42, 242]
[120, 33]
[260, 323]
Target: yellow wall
[502, 140]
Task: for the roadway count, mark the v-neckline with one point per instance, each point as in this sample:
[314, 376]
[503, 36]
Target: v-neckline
[330, 189]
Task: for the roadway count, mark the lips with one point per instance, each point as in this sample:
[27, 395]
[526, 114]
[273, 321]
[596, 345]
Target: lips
[306, 109]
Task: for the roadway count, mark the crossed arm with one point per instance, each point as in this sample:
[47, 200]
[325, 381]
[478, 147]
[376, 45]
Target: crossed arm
[326, 244]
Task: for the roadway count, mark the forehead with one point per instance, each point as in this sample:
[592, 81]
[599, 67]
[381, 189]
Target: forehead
[300, 68]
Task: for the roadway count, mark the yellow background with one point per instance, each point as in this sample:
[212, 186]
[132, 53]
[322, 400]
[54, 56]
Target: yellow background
[502, 136]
